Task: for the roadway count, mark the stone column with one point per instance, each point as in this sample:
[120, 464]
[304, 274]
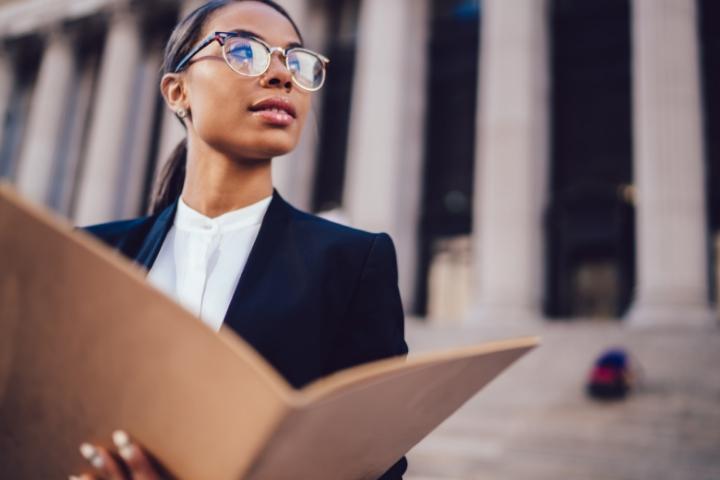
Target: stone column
[48, 112]
[293, 173]
[384, 165]
[672, 241]
[65, 181]
[140, 131]
[512, 161]
[98, 195]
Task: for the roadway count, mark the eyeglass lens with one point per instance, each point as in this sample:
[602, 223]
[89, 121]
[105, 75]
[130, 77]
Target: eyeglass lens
[249, 57]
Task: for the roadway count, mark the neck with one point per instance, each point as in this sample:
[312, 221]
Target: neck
[216, 184]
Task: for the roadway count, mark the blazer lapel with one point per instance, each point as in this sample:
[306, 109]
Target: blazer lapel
[156, 236]
[272, 230]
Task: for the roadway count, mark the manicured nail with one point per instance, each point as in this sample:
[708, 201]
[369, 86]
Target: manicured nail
[121, 439]
[74, 477]
[91, 454]
[126, 452]
[122, 442]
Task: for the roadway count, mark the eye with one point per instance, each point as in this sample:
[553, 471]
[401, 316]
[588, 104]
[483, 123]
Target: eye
[247, 56]
[294, 64]
[241, 51]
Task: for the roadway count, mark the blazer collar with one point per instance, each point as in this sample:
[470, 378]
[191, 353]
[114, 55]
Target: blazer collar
[156, 236]
[276, 217]
[272, 230]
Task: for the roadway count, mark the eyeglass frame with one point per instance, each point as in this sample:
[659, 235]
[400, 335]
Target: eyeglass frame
[221, 38]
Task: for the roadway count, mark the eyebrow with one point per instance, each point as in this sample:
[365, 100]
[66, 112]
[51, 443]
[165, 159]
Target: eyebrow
[247, 33]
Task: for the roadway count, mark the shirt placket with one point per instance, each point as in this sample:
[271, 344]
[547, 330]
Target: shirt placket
[201, 246]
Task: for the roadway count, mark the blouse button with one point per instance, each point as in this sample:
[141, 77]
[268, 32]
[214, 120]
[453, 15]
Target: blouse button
[210, 227]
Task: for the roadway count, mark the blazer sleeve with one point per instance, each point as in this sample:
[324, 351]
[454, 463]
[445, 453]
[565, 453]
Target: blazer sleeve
[374, 326]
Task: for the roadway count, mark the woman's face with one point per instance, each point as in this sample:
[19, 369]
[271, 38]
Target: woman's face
[238, 115]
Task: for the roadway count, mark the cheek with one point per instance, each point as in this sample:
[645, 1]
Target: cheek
[216, 104]
[219, 112]
[221, 119]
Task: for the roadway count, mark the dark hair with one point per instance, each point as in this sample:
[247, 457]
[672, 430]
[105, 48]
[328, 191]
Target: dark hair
[183, 38]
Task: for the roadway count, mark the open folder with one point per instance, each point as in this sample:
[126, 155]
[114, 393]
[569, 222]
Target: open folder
[88, 346]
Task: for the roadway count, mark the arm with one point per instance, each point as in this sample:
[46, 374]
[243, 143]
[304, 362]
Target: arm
[374, 327]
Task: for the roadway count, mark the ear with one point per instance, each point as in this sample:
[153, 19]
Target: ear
[172, 87]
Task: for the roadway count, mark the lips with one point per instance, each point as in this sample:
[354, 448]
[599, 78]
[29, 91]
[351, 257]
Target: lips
[275, 105]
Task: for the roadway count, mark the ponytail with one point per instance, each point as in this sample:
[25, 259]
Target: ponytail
[171, 180]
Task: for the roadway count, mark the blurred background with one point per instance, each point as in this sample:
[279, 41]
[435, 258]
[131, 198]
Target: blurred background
[544, 166]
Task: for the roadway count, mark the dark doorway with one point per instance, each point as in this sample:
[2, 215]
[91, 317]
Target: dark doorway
[590, 219]
[709, 11]
[25, 56]
[450, 130]
[337, 94]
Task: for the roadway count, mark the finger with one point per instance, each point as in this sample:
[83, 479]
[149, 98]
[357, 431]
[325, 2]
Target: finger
[101, 459]
[136, 459]
[85, 476]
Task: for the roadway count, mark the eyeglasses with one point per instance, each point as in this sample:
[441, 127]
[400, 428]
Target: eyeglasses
[250, 56]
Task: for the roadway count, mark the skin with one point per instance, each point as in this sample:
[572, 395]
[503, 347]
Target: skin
[230, 149]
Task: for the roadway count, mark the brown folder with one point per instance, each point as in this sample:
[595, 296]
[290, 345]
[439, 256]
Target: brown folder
[88, 346]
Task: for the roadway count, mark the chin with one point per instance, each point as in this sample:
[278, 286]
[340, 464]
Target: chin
[274, 144]
[262, 147]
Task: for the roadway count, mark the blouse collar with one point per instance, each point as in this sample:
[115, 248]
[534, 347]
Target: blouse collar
[191, 220]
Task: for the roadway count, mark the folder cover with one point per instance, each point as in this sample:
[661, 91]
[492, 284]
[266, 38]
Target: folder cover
[87, 346]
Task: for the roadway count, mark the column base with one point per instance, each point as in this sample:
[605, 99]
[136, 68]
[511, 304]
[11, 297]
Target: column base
[683, 316]
[501, 316]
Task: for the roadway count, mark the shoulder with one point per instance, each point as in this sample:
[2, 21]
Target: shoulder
[370, 255]
[338, 236]
[122, 234]
[118, 229]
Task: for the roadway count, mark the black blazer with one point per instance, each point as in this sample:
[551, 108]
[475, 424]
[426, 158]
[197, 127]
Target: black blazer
[314, 297]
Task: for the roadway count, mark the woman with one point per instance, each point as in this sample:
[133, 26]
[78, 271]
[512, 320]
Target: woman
[314, 297]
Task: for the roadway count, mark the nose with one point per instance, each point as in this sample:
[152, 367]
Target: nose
[277, 74]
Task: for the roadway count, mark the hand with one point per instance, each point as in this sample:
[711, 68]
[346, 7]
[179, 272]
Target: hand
[128, 462]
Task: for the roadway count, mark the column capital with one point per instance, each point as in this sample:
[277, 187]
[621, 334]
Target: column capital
[23, 18]
[57, 32]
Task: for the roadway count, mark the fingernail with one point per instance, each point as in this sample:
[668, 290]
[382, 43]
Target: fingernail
[74, 477]
[120, 438]
[122, 442]
[126, 452]
[91, 454]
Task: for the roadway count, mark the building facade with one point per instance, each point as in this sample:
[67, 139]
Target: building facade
[530, 158]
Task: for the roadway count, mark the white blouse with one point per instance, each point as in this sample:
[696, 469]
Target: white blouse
[201, 259]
